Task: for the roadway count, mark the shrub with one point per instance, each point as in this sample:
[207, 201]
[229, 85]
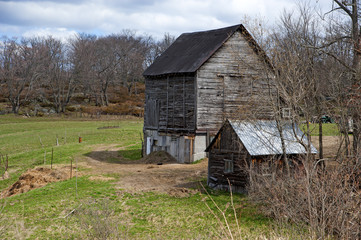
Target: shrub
[327, 201]
[71, 108]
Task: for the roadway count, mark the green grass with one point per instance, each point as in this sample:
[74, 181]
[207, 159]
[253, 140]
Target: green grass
[188, 217]
[41, 213]
[43, 210]
[132, 152]
[328, 129]
[26, 141]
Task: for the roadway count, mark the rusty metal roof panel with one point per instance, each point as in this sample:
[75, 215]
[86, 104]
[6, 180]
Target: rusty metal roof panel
[190, 51]
[263, 137]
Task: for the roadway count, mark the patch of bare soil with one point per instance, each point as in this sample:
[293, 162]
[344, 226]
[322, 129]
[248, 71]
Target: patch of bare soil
[36, 178]
[159, 157]
[157, 172]
[331, 145]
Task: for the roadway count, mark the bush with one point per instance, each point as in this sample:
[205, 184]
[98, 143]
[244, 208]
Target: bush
[126, 108]
[70, 108]
[92, 110]
[327, 201]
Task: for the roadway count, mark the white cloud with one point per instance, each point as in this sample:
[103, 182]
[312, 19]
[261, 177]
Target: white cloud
[60, 33]
[154, 17]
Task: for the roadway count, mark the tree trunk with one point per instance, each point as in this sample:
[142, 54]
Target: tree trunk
[356, 77]
[320, 136]
[15, 105]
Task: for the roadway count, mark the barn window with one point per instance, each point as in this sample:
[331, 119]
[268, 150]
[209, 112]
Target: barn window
[228, 166]
[286, 112]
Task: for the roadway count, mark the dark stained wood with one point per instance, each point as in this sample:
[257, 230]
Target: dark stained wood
[175, 96]
[228, 146]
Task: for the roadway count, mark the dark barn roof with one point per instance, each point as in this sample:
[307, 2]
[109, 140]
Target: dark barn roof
[190, 51]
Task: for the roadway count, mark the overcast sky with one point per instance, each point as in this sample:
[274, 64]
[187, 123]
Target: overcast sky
[62, 18]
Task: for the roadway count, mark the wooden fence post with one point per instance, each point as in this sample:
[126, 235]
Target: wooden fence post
[71, 167]
[52, 157]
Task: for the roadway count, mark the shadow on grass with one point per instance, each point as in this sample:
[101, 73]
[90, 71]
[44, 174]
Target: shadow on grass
[131, 156]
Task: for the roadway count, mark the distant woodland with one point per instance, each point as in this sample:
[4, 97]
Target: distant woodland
[88, 73]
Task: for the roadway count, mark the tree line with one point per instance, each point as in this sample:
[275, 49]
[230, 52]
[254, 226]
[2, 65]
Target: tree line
[47, 69]
[317, 69]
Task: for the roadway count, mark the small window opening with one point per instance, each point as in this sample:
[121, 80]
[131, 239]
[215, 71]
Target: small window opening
[286, 112]
[228, 166]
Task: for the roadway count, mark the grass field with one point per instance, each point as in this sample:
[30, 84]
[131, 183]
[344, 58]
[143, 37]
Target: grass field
[328, 129]
[80, 208]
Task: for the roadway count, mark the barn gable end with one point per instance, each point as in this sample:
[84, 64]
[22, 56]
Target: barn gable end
[239, 81]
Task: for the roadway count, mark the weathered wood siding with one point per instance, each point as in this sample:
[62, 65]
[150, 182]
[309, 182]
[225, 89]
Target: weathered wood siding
[233, 83]
[228, 146]
[170, 103]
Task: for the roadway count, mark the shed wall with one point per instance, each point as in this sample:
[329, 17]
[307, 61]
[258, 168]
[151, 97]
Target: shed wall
[228, 146]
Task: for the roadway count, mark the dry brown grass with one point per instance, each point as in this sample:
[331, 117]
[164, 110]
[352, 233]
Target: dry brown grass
[327, 202]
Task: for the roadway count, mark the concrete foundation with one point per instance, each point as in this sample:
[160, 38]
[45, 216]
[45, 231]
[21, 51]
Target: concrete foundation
[185, 149]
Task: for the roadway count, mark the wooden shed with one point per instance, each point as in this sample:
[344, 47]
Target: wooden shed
[202, 79]
[239, 145]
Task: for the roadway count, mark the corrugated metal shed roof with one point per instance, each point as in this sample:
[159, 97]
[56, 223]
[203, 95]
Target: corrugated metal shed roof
[190, 51]
[263, 138]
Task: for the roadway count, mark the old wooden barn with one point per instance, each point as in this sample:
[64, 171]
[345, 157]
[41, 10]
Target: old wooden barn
[240, 144]
[199, 81]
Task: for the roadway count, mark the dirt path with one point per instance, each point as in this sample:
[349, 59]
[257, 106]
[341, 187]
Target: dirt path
[173, 178]
[136, 176]
[139, 176]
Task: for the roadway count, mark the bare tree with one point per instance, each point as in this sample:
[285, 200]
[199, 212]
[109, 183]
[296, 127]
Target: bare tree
[82, 57]
[131, 51]
[350, 9]
[298, 64]
[156, 48]
[19, 70]
[312, 72]
[57, 72]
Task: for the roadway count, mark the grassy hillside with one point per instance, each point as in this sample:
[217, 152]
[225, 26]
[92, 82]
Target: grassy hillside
[84, 208]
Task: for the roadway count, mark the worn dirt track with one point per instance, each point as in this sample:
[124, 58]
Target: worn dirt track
[145, 174]
[170, 177]
[157, 172]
